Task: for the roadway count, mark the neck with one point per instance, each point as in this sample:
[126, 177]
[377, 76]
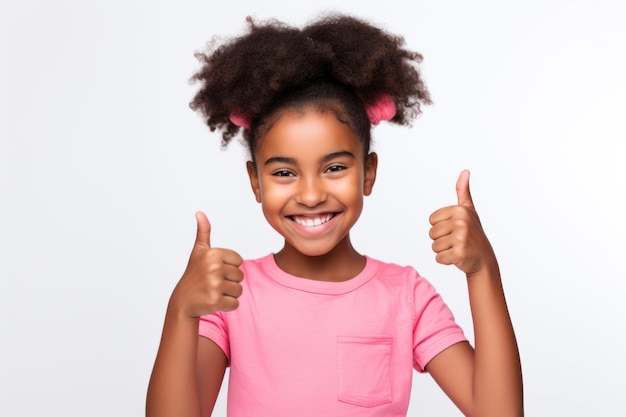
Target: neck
[342, 263]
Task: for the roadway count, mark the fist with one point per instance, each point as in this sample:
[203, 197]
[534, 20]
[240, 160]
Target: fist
[212, 279]
[458, 237]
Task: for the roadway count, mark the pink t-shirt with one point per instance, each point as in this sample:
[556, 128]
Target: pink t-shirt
[300, 347]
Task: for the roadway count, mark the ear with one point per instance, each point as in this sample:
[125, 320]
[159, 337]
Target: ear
[371, 165]
[254, 180]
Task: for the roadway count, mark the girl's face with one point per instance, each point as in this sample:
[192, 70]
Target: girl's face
[310, 178]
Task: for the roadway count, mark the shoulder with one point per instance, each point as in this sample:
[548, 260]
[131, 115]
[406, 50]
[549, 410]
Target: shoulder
[258, 264]
[391, 271]
[417, 288]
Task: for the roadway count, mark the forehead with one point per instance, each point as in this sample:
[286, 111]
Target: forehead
[307, 133]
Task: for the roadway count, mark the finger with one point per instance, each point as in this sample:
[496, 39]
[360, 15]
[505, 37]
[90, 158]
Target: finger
[225, 256]
[445, 243]
[445, 214]
[232, 289]
[445, 258]
[228, 304]
[462, 190]
[233, 273]
[441, 215]
[203, 234]
[439, 230]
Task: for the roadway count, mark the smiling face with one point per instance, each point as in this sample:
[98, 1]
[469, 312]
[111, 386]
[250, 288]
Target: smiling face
[310, 177]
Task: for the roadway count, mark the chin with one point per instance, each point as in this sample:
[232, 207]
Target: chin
[313, 251]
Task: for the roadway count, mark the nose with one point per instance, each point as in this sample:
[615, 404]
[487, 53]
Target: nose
[311, 191]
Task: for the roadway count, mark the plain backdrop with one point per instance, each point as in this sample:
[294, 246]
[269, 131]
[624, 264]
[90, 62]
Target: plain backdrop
[103, 164]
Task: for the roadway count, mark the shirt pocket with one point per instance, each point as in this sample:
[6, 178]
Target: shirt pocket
[363, 370]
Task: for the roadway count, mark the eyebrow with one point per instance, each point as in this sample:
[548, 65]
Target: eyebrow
[323, 159]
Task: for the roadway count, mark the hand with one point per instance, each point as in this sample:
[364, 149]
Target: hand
[458, 236]
[212, 279]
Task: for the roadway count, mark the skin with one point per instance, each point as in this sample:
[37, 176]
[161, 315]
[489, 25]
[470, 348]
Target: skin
[311, 168]
[300, 175]
[486, 381]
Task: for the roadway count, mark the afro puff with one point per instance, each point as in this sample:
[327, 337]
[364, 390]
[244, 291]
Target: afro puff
[249, 74]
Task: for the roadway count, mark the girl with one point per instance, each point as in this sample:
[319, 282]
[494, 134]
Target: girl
[318, 328]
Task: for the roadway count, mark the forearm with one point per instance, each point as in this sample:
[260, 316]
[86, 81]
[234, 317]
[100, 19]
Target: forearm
[173, 387]
[497, 381]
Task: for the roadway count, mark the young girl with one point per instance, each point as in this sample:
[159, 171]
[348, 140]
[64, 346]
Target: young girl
[317, 328]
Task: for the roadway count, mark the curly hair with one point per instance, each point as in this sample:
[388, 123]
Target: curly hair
[336, 58]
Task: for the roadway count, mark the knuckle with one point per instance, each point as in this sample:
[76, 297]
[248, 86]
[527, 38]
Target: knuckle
[216, 267]
[215, 285]
[460, 223]
[215, 254]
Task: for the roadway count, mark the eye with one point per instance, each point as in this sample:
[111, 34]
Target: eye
[336, 168]
[283, 173]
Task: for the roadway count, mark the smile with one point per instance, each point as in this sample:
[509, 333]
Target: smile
[312, 221]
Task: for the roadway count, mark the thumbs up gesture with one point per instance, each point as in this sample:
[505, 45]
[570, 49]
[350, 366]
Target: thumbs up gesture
[211, 281]
[458, 237]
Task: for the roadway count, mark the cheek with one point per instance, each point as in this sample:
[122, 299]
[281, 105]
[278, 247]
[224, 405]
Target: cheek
[273, 196]
[351, 190]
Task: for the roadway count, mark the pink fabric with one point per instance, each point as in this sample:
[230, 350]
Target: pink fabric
[300, 347]
[383, 108]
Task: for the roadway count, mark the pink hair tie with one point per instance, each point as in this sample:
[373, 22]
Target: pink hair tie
[239, 119]
[383, 108]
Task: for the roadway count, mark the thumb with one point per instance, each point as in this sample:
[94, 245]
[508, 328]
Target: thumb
[462, 190]
[203, 235]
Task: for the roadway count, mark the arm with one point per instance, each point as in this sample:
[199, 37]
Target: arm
[189, 369]
[487, 380]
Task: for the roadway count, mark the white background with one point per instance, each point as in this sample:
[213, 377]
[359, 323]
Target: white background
[102, 166]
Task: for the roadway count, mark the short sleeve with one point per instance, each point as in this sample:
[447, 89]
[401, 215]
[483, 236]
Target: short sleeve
[214, 327]
[434, 326]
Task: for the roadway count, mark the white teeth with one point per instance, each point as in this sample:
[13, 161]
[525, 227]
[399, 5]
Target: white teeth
[309, 222]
